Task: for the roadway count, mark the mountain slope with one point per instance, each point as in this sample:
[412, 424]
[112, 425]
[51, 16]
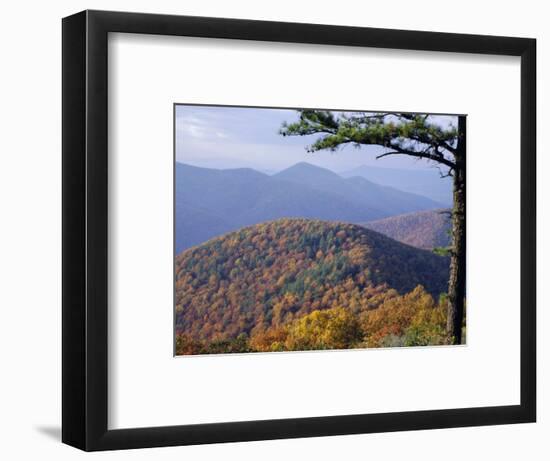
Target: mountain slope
[422, 229]
[197, 225]
[226, 200]
[309, 174]
[426, 182]
[270, 273]
[380, 199]
[236, 198]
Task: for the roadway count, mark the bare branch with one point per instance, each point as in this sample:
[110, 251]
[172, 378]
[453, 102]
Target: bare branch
[447, 146]
[442, 175]
[421, 154]
[385, 154]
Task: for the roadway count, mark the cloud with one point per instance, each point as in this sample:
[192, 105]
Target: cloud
[232, 137]
[197, 127]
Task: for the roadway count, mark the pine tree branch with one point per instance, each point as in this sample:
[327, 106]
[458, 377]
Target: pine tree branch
[421, 154]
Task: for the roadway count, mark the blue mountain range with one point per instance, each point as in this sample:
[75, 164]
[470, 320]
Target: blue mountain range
[210, 202]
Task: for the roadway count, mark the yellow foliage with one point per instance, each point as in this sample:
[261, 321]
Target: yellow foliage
[335, 328]
[413, 318]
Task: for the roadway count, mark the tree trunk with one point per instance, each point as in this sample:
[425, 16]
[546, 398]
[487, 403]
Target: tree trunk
[457, 275]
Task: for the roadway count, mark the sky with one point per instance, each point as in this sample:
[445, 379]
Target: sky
[235, 137]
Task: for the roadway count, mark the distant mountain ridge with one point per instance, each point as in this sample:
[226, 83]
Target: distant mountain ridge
[424, 182]
[421, 229]
[213, 202]
[381, 199]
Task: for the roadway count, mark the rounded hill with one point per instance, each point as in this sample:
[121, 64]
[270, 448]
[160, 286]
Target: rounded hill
[272, 273]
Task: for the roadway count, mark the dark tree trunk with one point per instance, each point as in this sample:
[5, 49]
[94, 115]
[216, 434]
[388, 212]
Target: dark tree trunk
[457, 276]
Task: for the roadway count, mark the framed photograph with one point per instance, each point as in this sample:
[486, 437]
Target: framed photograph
[278, 230]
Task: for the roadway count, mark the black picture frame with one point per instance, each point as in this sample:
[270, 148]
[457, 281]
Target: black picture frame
[85, 219]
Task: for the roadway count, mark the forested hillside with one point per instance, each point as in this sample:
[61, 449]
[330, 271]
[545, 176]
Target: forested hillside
[422, 229]
[295, 284]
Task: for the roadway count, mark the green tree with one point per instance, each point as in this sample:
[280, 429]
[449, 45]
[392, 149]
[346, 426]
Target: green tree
[416, 136]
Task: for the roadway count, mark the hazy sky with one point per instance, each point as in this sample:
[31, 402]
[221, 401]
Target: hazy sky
[228, 137]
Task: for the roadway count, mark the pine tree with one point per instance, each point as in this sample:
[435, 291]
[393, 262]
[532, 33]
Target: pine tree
[414, 135]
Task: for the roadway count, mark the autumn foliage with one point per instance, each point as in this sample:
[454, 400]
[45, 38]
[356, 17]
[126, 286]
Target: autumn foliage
[409, 320]
[297, 284]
